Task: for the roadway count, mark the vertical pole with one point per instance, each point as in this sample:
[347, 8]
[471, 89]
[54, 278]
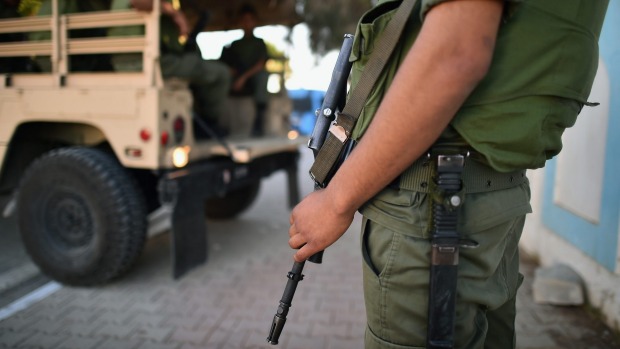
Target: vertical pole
[63, 45]
[55, 42]
[150, 54]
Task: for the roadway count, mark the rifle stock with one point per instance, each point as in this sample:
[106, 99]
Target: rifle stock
[334, 100]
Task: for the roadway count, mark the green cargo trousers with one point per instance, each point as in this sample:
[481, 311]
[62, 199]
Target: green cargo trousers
[210, 82]
[396, 254]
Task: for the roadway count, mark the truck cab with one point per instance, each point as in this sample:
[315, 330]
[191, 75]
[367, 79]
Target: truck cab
[98, 160]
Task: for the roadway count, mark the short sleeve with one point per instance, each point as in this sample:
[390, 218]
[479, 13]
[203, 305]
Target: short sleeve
[427, 5]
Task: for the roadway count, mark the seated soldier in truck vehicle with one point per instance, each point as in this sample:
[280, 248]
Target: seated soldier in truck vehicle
[210, 80]
[95, 162]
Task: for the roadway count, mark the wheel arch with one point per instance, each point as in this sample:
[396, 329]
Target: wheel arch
[32, 139]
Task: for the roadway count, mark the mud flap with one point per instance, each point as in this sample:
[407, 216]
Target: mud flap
[189, 234]
[187, 189]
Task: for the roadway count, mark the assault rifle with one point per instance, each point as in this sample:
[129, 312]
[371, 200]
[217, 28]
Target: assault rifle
[334, 101]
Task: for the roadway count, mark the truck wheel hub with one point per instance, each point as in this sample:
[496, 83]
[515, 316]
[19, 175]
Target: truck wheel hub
[69, 220]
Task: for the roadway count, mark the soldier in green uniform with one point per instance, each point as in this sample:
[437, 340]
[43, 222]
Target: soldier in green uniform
[500, 80]
[247, 57]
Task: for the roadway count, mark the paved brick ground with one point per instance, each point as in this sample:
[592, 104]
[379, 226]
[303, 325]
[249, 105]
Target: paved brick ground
[15, 265]
[229, 302]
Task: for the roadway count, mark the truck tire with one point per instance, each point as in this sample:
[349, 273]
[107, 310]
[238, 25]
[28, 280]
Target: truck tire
[82, 217]
[233, 203]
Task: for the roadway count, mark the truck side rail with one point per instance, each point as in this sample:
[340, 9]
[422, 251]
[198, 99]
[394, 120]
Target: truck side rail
[61, 46]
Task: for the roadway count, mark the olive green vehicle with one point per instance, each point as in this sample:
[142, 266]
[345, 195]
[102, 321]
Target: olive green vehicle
[95, 162]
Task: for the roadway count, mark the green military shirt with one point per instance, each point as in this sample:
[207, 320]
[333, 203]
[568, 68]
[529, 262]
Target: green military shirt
[542, 71]
[242, 55]
[171, 41]
[245, 52]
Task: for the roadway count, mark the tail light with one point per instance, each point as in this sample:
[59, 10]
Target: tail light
[164, 138]
[179, 129]
[145, 134]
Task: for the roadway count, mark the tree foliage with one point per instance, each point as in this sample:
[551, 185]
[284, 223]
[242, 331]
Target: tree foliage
[329, 20]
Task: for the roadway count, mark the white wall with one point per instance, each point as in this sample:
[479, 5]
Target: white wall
[602, 286]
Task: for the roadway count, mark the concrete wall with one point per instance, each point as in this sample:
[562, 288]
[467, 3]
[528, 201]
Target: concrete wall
[576, 198]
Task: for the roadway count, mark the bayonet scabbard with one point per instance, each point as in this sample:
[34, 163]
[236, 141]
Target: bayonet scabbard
[444, 253]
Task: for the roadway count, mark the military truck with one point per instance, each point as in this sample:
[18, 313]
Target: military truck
[95, 162]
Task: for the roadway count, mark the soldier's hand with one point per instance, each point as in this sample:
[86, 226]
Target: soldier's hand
[316, 224]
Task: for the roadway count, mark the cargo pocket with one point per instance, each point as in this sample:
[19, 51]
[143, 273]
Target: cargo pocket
[388, 242]
[371, 341]
[376, 273]
[404, 211]
[395, 271]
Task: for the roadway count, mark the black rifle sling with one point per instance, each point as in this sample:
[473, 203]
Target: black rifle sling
[341, 129]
